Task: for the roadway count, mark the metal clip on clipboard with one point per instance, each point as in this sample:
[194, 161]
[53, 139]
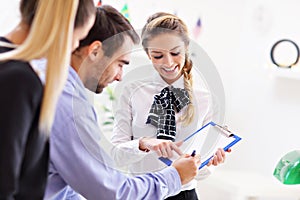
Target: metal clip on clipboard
[223, 130]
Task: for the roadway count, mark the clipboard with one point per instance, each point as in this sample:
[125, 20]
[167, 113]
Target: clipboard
[227, 139]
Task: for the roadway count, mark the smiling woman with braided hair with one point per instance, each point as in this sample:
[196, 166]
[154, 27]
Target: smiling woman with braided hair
[156, 113]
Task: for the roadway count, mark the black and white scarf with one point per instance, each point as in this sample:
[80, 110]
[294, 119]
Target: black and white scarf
[162, 112]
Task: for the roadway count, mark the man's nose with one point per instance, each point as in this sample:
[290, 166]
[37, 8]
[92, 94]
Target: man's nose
[119, 76]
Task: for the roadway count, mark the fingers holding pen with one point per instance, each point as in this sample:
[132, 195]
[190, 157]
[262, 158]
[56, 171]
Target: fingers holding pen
[187, 167]
[195, 157]
[197, 160]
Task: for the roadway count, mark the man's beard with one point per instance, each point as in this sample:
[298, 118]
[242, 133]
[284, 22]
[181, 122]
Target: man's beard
[99, 89]
[92, 85]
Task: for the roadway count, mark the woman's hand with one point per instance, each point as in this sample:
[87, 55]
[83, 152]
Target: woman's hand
[163, 148]
[219, 157]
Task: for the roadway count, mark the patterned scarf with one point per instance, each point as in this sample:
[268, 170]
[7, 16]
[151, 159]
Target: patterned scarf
[162, 112]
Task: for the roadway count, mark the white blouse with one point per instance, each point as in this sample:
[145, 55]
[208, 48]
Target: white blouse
[131, 114]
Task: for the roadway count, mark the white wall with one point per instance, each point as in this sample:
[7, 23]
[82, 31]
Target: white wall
[237, 35]
[262, 108]
[9, 15]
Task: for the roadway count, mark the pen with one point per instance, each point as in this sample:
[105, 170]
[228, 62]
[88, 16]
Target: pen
[193, 153]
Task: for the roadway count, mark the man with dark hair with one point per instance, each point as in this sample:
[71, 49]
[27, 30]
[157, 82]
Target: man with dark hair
[78, 163]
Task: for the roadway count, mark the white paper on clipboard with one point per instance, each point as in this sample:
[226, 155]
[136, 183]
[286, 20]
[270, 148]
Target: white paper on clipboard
[219, 137]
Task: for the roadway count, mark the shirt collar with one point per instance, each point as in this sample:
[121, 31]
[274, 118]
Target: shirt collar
[40, 66]
[177, 84]
[75, 81]
[73, 76]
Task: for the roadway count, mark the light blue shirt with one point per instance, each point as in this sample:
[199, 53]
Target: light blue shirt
[78, 163]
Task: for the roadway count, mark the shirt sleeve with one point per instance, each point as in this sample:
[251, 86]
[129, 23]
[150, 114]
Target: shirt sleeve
[19, 104]
[122, 136]
[84, 165]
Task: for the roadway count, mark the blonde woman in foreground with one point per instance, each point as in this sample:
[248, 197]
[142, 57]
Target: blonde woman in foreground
[49, 29]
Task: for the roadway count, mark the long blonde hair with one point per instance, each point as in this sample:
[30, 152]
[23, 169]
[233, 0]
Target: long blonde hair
[160, 23]
[50, 36]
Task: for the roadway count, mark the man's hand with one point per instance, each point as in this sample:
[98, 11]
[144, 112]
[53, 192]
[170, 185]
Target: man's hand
[187, 167]
[163, 148]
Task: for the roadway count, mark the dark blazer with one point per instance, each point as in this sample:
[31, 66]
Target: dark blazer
[24, 151]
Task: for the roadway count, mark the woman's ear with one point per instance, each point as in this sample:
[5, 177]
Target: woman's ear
[94, 49]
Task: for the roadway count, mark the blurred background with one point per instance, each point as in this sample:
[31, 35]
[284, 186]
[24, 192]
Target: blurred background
[262, 106]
